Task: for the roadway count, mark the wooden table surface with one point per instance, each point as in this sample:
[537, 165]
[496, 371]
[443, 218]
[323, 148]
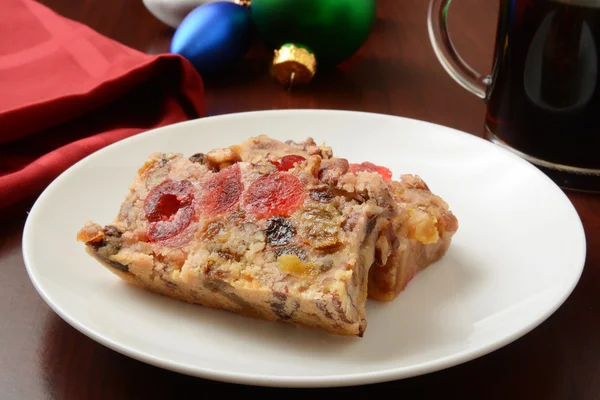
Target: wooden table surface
[42, 357]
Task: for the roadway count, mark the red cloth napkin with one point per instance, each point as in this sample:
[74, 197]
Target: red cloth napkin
[67, 91]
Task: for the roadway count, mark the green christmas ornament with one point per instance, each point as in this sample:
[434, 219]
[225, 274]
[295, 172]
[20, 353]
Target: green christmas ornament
[317, 32]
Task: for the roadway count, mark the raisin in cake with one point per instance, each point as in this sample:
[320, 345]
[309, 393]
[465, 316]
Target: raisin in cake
[418, 235]
[248, 237]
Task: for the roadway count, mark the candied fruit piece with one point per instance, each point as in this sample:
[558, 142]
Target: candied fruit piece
[276, 194]
[165, 199]
[279, 231]
[90, 233]
[222, 191]
[385, 173]
[291, 264]
[321, 225]
[162, 230]
[169, 209]
[423, 226]
[286, 163]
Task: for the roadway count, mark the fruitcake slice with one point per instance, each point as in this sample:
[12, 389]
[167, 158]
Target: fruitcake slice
[244, 237]
[419, 233]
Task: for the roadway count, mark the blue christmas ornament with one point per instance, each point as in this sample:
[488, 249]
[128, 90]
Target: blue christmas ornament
[214, 36]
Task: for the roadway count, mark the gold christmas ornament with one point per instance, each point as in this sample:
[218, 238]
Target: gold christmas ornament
[294, 65]
[245, 3]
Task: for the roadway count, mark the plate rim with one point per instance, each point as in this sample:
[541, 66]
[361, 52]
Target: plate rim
[291, 381]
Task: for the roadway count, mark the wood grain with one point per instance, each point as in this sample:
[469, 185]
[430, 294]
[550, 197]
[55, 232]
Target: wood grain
[42, 357]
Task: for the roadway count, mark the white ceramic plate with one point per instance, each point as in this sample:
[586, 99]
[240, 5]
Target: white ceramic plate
[517, 256]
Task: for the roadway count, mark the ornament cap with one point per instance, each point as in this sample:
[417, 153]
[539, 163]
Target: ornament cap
[294, 64]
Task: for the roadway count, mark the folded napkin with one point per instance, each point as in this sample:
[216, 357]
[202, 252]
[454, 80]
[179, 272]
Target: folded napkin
[67, 91]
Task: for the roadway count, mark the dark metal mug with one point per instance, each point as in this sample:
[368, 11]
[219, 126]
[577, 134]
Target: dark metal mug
[543, 94]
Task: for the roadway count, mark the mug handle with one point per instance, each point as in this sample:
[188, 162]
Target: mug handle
[447, 55]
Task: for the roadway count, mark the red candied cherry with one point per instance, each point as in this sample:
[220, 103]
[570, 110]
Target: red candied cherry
[385, 173]
[276, 194]
[221, 191]
[169, 208]
[286, 163]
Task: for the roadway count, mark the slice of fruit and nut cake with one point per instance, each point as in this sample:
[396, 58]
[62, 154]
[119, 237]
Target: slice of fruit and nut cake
[418, 235]
[253, 238]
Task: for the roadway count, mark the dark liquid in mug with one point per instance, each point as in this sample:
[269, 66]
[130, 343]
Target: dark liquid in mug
[545, 95]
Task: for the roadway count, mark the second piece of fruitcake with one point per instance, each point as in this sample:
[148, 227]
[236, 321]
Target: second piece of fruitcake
[418, 235]
[245, 237]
